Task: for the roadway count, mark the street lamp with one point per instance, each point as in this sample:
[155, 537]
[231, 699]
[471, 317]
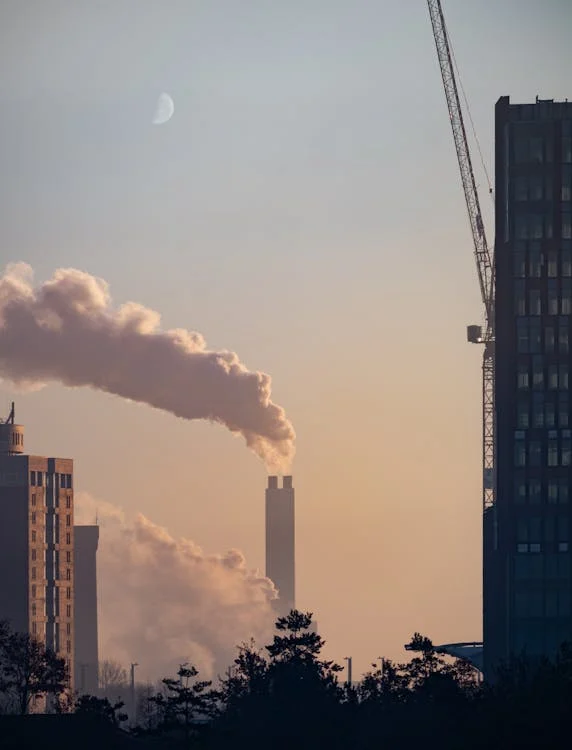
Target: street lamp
[133, 665]
[348, 659]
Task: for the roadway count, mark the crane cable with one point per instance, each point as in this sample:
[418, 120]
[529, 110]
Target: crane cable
[468, 109]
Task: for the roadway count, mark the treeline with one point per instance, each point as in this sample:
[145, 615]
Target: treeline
[286, 695]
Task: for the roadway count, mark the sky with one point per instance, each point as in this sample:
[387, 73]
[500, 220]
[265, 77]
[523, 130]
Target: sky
[302, 208]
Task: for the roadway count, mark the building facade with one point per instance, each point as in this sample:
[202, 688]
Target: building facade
[281, 541]
[37, 543]
[527, 554]
[86, 652]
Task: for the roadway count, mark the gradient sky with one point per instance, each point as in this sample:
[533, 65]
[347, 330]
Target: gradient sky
[303, 208]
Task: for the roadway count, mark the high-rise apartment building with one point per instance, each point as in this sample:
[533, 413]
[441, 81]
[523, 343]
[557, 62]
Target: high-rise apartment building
[36, 543]
[280, 541]
[527, 545]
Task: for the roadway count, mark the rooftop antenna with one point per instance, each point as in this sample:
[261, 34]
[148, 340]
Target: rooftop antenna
[11, 416]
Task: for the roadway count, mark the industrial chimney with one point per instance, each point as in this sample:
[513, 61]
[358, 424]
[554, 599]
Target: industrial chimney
[280, 541]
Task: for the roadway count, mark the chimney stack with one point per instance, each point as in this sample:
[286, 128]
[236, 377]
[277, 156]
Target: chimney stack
[280, 541]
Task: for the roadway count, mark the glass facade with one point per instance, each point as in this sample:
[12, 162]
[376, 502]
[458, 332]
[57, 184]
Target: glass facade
[527, 562]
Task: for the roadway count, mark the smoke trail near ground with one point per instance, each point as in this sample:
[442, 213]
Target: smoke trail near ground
[66, 330]
[163, 601]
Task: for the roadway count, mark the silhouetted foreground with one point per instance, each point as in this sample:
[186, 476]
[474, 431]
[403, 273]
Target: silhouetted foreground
[286, 696]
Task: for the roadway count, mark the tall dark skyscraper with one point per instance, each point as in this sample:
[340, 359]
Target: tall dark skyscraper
[280, 541]
[527, 556]
[36, 543]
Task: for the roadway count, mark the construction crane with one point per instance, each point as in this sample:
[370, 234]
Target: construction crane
[483, 256]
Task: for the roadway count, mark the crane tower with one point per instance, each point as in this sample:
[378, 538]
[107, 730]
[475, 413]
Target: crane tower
[483, 255]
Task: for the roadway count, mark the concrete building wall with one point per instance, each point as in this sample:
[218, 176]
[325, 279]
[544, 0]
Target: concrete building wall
[85, 617]
[280, 541]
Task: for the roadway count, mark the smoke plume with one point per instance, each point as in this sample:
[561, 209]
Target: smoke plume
[163, 601]
[66, 330]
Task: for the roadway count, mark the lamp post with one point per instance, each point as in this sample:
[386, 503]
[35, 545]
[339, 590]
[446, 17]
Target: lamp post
[348, 659]
[133, 665]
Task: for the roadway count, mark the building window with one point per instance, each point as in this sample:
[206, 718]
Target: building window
[68, 610]
[68, 628]
[34, 591]
[534, 453]
[566, 448]
[519, 298]
[68, 593]
[552, 492]
[33, 554]
[563, 409]
[552, 377]
[522, 376]
[563, 528]
[534, 494]
[563, 336]
[552, 449]
[538, 410]
[519, 267]
[34, 629]
[552, 307]
[537, 372]
[522, 414]
[34, 499]
[552, 265]
[520, 492]
[68, 647]
[549, 415]
[566, 263]
[563, 377]
[562, 546]
[33, 517]
[519, 448]
[68, 538]
[68, 520]
[68, 574]
[563, 491]
[549, 339]
[566, 225]
[33, 574]
[68, 556]
[34, 608]
[33, 536]
[39, 479]
[522, 547]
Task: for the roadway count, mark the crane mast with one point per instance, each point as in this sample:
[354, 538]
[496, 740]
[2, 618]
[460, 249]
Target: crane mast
[483, 259]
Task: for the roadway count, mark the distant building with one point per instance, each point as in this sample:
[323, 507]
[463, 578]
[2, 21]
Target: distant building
[36, 543]
[527, 593]
[85, 609]
[280, 541]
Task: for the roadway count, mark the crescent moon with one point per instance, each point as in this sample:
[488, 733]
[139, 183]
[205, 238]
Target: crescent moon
[163, 109]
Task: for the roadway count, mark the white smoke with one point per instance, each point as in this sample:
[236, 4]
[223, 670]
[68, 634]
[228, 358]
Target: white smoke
[163, 601]
[66, 330]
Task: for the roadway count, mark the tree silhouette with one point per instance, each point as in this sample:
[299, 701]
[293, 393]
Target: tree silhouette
[28, 670]
[186, 702]
[102, 708]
